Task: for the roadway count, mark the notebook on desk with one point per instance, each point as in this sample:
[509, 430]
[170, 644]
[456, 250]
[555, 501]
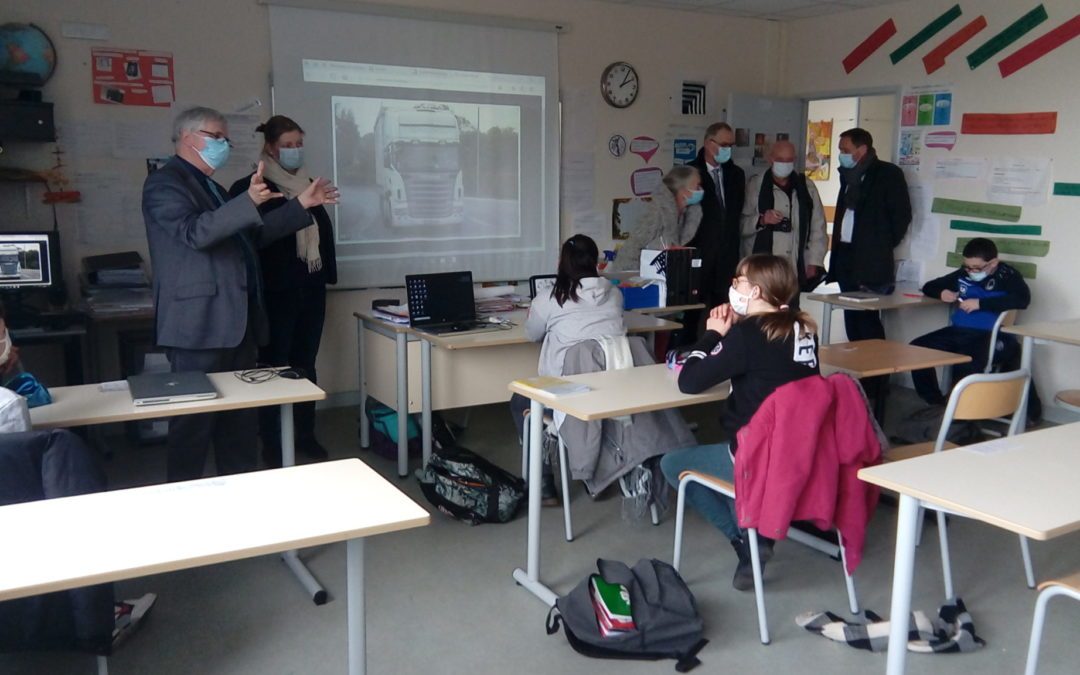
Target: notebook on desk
[443, 304]
[859, 296]
[161, 388]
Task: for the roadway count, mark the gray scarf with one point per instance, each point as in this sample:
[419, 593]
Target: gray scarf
[853, 179]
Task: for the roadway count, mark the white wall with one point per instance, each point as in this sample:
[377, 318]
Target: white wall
[1047, 85]
[222, 58]
[877, 114]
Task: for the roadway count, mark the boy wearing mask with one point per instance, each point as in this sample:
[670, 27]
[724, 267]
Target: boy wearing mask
[982, 288]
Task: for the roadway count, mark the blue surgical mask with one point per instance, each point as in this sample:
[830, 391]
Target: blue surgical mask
[722, 155]
[215, 152]
[291, 159]
[847, 160]
[695, 197]
[782, 169]
[977, 276]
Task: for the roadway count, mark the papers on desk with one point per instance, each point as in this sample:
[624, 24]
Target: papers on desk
[993, 447]
[556, 386]
[115, 385]
[393, 313]
[859, 296]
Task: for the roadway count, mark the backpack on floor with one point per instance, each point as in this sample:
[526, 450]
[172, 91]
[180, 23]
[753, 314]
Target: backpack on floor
[665, 617]
[467, 487]
[383, 427]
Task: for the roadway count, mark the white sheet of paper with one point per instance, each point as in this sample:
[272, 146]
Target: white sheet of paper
[159, 70]
[960, 168]
[1021, 181]
[847, 226]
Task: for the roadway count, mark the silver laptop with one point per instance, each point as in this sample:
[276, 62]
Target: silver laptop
[159, 388]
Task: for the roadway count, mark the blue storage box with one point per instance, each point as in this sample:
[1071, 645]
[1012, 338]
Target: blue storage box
[638, 297]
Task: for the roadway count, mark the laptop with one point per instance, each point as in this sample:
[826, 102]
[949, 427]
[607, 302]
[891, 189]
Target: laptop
[159, 388]
[442, 303]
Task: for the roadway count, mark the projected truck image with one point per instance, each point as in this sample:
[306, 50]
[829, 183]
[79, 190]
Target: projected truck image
[9, 261]
[426, 170]
[418, 165]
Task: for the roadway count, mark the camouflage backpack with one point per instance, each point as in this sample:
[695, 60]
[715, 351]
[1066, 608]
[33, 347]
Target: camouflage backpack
[465, 486]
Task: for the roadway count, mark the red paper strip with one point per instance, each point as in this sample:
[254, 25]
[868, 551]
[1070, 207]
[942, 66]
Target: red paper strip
[936, 57]
[869, 46]
[1040, 47]
[1016, 123]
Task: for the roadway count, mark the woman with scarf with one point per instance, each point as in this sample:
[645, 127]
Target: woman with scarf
[295, 273]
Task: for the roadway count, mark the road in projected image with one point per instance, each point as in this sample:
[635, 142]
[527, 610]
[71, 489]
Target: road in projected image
[412, 170]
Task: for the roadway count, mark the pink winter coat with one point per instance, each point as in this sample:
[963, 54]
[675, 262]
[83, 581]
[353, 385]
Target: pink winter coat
[798, 458]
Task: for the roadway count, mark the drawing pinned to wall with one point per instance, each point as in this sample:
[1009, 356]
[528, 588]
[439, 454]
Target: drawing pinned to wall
[759, 149]
[742, 138]
[684, 150]
[626, 214]
[1009, 123]
[868, 46]
[818, 149]
[1040, 47]
[782, 137]
[1006, 37]
[910, 148]
[940, 139]
[959, 207]
[1024, 181]
[920, 38]
[644, 147]
[132, 77]
[935, 58]
[616, 145]
[646, 181]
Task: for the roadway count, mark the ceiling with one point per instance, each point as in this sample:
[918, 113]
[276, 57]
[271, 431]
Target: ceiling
[774, 10]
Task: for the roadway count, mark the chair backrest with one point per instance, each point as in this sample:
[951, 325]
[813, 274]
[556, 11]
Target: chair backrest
[986, 396]
[1004, 320]
[543, 282]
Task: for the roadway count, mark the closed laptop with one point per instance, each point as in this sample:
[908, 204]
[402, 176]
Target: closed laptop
[160, 388]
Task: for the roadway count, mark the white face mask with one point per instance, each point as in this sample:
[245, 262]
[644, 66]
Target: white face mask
[740, 303]
[782, 169]
[5, 349]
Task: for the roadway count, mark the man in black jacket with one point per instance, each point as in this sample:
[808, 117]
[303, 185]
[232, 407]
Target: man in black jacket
[718, 236]
[873, 212]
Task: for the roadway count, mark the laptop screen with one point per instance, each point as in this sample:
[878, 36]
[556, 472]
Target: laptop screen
[445, 297]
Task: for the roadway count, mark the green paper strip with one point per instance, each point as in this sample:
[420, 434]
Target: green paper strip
[1031, 248]
[932, 29]
[1067, 189]
[973, 226]
[1006, 37]
[954, 259]
[957, 207]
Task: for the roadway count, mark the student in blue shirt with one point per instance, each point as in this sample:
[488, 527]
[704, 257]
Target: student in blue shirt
[982, 288]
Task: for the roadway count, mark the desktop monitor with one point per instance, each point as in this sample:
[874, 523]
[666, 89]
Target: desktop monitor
[25, 260]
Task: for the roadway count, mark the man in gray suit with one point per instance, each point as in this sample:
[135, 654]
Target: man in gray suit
[207, 287]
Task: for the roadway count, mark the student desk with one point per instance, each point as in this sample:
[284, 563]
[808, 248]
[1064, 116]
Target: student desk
[1066, 332]
[1025, 484]
[87, 405]
[869, 358]
[58, 544]
[896, 300]
[468, 370]
[613, 393]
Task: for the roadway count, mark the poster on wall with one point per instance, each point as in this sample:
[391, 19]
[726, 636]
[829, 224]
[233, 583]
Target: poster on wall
[684, 150]
[132, 77]
[910, 148]
[926, 106]
[818, 149]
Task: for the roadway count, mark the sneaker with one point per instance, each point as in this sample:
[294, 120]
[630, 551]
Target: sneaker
[128, 615]
[744, 571]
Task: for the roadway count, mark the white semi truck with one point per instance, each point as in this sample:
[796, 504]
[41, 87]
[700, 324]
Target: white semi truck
[418, 165]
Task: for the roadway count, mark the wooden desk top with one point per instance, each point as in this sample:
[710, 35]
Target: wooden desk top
[895, 301]
[87, 404]
[1055, 331]
[57, 544]
[623, 392]
[1025, 484]
[664, 311]
[867, 358]
[636, 323]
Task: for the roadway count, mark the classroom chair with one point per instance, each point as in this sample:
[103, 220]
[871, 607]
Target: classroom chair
[1004, 320]
[1069, 399]
[1069, 586]
[976, 397]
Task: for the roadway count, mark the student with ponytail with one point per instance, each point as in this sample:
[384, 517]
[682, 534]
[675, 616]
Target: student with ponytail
[760, 343]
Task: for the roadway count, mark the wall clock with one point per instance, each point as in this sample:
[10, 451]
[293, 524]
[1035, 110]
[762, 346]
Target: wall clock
[619, 84]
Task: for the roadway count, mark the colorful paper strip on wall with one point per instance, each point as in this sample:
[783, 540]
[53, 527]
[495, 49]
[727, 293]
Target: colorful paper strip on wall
[959, 207]
[1040, 47]
[1032, 248]
[1028, 269]
[936, 57]
[1067, 189]
[975, 226]
[1014, 32]
[1014, 123]
[920, 38]
[868, 46]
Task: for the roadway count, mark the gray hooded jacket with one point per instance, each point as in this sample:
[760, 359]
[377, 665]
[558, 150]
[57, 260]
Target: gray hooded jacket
[598, 312]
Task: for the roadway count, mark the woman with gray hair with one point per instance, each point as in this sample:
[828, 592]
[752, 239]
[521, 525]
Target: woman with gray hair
[671, 218]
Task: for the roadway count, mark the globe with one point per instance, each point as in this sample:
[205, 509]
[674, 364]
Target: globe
[27, 56]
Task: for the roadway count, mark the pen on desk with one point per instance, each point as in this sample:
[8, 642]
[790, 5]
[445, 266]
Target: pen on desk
[913, 295]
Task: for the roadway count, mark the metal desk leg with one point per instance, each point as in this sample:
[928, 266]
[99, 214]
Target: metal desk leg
[529, 578]
[402, 352]
[903, 571]
[425, 398]
[1025, 364]
[365, 429]
[826, 322]
[354, 573]
[291, 558]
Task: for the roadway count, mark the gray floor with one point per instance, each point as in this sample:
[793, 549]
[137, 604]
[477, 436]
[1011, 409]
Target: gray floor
[441, 598]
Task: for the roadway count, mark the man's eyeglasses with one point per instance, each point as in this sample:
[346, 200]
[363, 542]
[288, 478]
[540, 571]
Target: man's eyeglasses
[219, 136]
